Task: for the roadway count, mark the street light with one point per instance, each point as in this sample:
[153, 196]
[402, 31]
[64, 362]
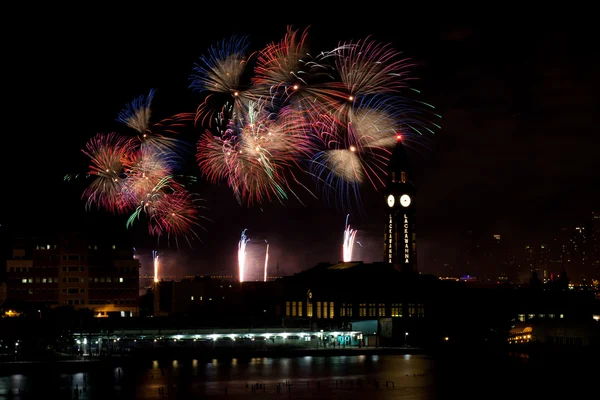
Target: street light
[405, 338]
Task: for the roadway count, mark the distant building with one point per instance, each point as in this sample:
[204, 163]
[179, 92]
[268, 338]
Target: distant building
[72, 270]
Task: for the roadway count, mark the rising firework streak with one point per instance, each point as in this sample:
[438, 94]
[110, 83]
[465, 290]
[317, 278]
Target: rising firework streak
[349, 238]
[242, 255]
[155, 259]
[266, 261]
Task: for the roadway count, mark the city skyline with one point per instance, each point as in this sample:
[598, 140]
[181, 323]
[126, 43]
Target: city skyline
[512, 158]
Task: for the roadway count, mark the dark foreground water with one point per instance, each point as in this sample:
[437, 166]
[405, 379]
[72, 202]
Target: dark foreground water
[483, 376]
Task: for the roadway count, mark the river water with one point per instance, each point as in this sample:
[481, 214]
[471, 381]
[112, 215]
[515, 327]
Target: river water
[409, 376]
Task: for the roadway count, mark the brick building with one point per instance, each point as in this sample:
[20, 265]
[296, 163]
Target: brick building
[74, 270]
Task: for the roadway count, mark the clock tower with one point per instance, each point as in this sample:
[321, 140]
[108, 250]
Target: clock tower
[399, 237]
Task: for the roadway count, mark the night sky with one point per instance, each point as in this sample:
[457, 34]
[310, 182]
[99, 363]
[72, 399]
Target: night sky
[517, 153]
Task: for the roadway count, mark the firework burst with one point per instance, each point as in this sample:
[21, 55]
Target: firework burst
[346, 107]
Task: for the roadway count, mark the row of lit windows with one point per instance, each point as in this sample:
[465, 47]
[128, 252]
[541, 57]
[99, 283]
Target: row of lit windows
[73, 280]
[327, 310]
[524, 317]
[77, 302]
[54, 247]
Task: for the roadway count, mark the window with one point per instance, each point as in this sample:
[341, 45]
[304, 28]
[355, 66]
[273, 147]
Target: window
[372, 310]
[362, 310]
[293, 308]
[331, 309]
[191, 297]
[309, 309]
[73, 291]
[521, 317]
[121, 281]
[324, 309]
[397, 310]
[349, 309]
[343, 310]
[381, 310]
[412, 310]
[318, 309]
[420, 311]
[299, 308]
[287, 309]
[24, 280]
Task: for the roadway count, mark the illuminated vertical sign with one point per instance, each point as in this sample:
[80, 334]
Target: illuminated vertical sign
[390, 239]
[406, 240]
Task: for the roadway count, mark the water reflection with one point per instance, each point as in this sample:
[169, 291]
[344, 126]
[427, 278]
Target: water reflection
[306, 377]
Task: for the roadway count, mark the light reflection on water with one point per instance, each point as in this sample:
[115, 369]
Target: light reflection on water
[305, 377]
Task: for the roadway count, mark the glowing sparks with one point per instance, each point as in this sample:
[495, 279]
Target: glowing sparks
[242, 255]
[349, 239]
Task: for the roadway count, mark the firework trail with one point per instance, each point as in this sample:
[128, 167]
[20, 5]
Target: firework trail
[349, 240]
[266, 260]
[333, 116]
[242, 255]
[155, 261]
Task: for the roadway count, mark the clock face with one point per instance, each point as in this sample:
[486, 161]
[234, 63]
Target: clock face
[391, 200]
[405, 200]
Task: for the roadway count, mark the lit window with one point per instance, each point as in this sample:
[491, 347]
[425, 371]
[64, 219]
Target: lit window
[561, 316]
[343, 310]
[372, 310]
[309, 309]
[397, 310]
[192, 298]
[331, 312]
[287, 308]
[299, 308]
[293, 308]
[412, 310]
[381, 309]
[24, 280]
[318, 309]
[324, 309]
[362, 310]
[121, 281]
[114, 247]
[521, 317]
